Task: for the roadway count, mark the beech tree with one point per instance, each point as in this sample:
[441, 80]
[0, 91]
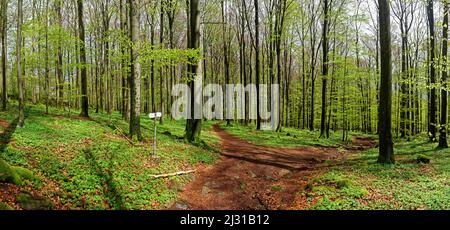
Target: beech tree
[3, 26]
[20, 80]
[82, 64]
[443, 129]
[135, 78]
[324, 69]
[257, 66]
[385, 109]
[193, 125]
[432, 57]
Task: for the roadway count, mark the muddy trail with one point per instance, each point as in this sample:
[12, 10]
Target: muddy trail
[253, 177]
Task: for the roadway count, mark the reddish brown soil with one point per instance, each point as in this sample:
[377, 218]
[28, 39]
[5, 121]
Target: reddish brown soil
[4, 123]
[252, 177]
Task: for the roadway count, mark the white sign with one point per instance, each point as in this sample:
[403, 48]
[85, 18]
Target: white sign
[155, 115]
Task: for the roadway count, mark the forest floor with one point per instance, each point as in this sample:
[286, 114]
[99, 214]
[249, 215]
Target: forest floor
[88, 164]
[355, 180]
[257, 177]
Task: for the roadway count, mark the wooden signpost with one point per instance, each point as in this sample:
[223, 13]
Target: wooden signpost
[154, 116]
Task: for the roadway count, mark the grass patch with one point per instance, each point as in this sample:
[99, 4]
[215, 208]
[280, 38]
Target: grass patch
[360, 183]
[334, 190]
[277, 188]
[288, 137]
[5, 207]
[94, 167]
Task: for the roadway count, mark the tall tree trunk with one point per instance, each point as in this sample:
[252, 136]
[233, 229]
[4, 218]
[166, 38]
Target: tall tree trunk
[59, 61]
[97, 96]
[152, 66]
[161, 77]
[313, 91]
[323, 122]
[106, 72]
[443, 130]
[20, 80]
[135, 78]
[82, 67]
[385, 111]
[47, 69]
[304, 88]
[431, 57]
[4, 24]
[193, 125]
[125, 73]
[171, 14]
[226, 62]
[257, 65]
[279, 29]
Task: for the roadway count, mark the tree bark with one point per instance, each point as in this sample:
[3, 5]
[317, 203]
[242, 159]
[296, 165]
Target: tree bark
[226, 61]
[20, 80]
[135, 78]
[193, 126]
[4, 25]
[82, 64]
[324, 71]
[161, 77]
[257, 65]
[59, 61]
[47, 69]
[443, 130]
[431, 57]
[385, 110]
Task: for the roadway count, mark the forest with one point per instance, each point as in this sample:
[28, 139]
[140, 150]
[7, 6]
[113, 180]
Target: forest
[359, 89]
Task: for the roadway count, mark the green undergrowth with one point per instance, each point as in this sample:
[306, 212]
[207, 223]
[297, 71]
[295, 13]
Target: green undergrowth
[89, 164]
[5, 207]
[288, 137]
[410, 184]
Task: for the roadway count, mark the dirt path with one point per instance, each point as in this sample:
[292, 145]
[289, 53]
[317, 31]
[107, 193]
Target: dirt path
[252, 177]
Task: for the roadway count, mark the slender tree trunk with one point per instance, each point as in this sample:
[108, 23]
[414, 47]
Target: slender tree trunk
[83, 72]
[323, 127]
[304, 87]
[4, 24]
[385, 111]
[161, 77]
[125, 73]
[193, 125]
[59, 62]
[443, 130]
[97, 96]
[106, 72]
[226, 62]
[47, 69]
[152, 67]
[257, 65]
[171, 14]
[135, 79]
[20, 80]
[313, 91]
[431, 57]
[279, 29]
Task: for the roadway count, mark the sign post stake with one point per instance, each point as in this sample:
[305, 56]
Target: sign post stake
[154, 116]
[154, 139]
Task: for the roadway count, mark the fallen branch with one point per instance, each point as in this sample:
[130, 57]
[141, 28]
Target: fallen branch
[173, 174]
[123, 134]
